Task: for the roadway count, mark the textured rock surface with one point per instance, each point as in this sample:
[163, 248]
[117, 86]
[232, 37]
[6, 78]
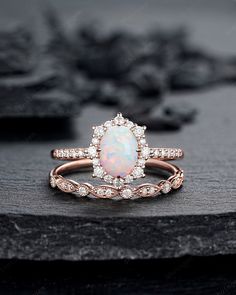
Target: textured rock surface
[40, 223]
[167, 276]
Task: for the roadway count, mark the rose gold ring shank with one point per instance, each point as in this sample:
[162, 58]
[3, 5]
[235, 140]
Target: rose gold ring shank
[110, 191]
[72, 154]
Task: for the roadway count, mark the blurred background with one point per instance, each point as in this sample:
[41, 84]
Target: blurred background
[58, 57]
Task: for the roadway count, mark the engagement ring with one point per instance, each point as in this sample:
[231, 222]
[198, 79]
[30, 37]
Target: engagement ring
[118, 154]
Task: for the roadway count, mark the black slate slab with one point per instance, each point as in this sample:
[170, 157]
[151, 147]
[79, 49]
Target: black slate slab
[187, 275]
[40, 223]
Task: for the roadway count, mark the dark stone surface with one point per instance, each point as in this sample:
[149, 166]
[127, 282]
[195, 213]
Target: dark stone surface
[44, 92]
[41, 223]
[188, 275]
[34, 237]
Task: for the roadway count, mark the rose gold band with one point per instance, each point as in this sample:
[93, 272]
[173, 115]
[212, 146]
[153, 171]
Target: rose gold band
[110, 191]
[71, 154]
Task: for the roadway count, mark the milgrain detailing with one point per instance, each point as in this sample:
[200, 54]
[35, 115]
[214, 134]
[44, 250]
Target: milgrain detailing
[113, 192]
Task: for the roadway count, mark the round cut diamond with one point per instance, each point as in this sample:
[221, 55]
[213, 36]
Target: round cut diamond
[151, 190]
[118, 182]
[145, 152]
[129, 124]
[92, 151]
[83, 191]
[128, 178]
[80, 154]
[157, 153]
[144, 191]
[96, 162]
[100, 191]
[108, 192]
[138, 172]
[166, 187]
[119, 120]
[98, 171]
[126, 193]
[138, 131]
[95, 141]
[72, 153]
[177, 182]
[141, 162]
[142, 141]
[108, 124]
[99, 131]
[108, 178]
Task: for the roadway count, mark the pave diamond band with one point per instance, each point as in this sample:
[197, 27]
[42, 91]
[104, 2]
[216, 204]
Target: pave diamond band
[72, 154]
[111, 191]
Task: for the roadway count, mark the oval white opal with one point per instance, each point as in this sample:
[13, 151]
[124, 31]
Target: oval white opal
[118, 153]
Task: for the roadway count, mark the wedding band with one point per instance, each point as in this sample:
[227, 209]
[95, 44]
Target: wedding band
[111, 191]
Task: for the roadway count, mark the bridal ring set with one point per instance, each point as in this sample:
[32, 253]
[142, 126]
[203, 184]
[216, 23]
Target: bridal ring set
[119, 155]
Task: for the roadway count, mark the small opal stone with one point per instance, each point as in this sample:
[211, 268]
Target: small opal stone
[118, 154]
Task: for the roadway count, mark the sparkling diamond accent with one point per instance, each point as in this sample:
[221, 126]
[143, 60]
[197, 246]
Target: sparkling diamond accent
[108, 124]
[129, 124]
[83, 191]
[118, 182]
[126, 193]
[99, 131]
[166, 187]
[100, 191]
[151, 190]
[141, 163]
[119, 120]
[177, 182]
[108, 178]
[108, 192]
[65, 186]
[98, 172]
[138, 131]
[53, 182]
[179, 153]
[128, 178]
[80, 154]
[142, 141]
[95, 141]
[145, 152]
[148, 191]
[96, 162]
[92, 151]
[137, 172]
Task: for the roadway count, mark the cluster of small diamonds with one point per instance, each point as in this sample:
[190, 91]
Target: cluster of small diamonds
[118, 187]
[79, 153]
[112, 192]
[166, 153]
[143, 153]
[76, 153]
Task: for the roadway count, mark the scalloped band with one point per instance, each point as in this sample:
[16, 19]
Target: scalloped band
[115, 192]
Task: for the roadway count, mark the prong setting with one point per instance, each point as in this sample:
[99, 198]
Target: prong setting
[142, 151]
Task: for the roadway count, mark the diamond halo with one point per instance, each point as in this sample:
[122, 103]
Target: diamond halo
[142, 151]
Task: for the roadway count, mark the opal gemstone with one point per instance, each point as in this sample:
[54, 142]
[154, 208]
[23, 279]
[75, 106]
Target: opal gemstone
[118, 154]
